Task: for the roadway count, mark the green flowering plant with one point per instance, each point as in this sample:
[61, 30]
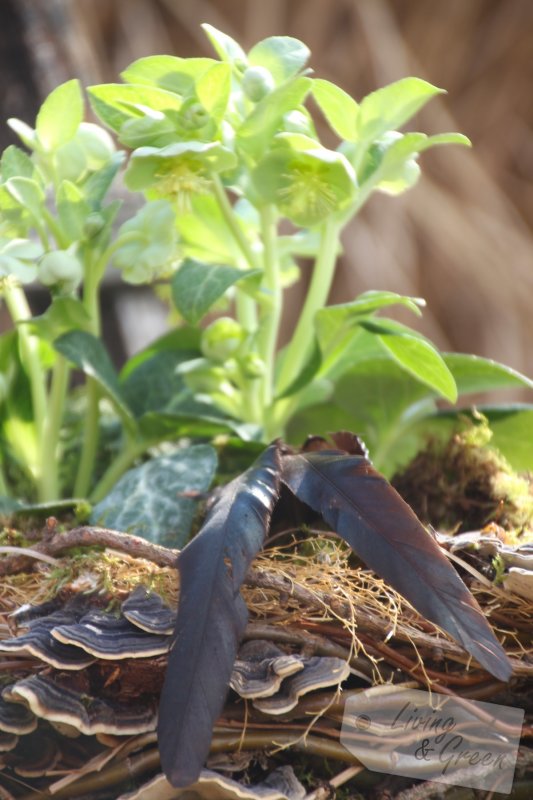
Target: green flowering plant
[235, 192]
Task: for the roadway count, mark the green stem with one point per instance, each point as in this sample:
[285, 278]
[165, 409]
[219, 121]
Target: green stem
[29, 350]
[269, 327]
[117, 468]
[49, 446]
[89, 447]
[61, 240]
[246, 312]
[233, 223]
[300, 347]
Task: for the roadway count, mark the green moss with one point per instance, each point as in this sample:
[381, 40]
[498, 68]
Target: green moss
[465, 483]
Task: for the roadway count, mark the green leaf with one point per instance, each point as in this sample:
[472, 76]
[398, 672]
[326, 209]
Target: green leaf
[255, 133]
[72, 209]
[419, 358]
[225, 47]
[156, 385]
[178, 339]
[336, 325]
[393, 105]
[26, 134]
[204, 234]
[87, 353]
[60, 115]
[96, 186]
[512, 428]
[213, 89]
[476, 374]
[174, 74]
[340, 110]
[28, 194]
[151, 500]
[283, 56]
[15, 163]
[196, 286]
[115, 103]
[62, 315]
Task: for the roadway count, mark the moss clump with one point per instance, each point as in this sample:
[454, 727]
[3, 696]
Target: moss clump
[464, 484]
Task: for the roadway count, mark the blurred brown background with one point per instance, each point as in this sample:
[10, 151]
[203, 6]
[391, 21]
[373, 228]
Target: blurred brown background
[463, 237]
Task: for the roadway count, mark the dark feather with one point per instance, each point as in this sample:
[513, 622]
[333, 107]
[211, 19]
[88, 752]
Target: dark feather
[212, 616]
[362, 507]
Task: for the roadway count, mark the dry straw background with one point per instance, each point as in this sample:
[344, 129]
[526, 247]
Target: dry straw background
[463, 237]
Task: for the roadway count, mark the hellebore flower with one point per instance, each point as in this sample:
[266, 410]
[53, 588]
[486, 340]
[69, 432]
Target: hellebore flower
[18, 259]
[178, 171]
[306, 182]
[149, 247]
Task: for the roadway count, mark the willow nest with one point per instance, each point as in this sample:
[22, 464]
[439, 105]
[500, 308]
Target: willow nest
[84, 640]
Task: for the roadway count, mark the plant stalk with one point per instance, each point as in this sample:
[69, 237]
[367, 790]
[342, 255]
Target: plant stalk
[49, 447]
[89, 447]
[300, 347]
[269, 327]
[117, 468]
[19, 310]
[233, 223]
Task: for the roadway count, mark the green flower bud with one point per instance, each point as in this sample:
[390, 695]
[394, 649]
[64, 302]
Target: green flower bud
[257, 82]
[222, 339]
[298, 122]
[252, 366]
[96, 144]
[93, 224]
[60, 269]
[206, 379]
[193, 115]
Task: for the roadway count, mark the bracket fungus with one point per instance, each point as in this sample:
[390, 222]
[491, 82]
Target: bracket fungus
[109, 637]
[53, 701]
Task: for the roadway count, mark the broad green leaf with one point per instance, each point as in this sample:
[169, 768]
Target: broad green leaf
[72, 209]
[15, 163]
[87, 353]
[476, 374]
[115, 103]
[391, 163]
[393, 105]
[283, 56]
[196, 286]
[255, 134]
[62, 315]
[96, 186]
[205, 236]
[28, 194]
[213, 89]
[418, 357]
[195, 420]
[512, 429]
[148, 130]
[225, 47]
[340, 110]
[174, 74]
[26, 134]
[336, 325]
[178, 339]
[156, 385]
[60, 115]
[154, 500]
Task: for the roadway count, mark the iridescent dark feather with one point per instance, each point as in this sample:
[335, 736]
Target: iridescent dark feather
[362, 507]
[212, 616]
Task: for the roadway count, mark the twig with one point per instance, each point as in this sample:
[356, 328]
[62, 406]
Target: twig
[335, 782]
[90, 537]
